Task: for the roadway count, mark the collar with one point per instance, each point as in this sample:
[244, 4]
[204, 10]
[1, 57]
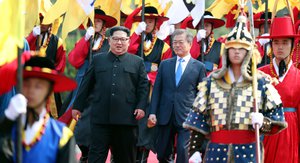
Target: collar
[232, 78]
[185, 58]
[114, 57]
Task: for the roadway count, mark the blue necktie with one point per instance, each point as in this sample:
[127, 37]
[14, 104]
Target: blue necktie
[179, 71]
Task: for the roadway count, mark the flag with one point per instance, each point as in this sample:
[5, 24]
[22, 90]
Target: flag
[12, 30]
[162, 6]
[198, 11]
[127, 6]
[110, 7]
[76, 12]
[281, 4]
[31, 15]
[176, 7]
[221, 7]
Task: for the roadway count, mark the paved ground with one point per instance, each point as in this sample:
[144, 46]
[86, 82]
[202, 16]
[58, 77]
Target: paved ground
[151, 158]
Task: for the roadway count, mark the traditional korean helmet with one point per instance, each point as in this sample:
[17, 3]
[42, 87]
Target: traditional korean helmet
[208, 18]
[151, 12]
[41, 67]
[239, 37]
[109, 20]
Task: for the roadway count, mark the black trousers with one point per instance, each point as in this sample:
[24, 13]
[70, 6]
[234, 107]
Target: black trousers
[166, 139]
[121, 139]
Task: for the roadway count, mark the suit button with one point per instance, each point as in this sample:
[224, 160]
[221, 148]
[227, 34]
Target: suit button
[113, 84]
[115, 66]
[114, 74]
[112, 94]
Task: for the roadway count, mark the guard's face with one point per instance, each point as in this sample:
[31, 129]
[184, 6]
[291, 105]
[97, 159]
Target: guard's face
[119, 42]
[98, 24]
[181, 45]
[35, 90]
[178, 25]
[282, 48]
[150, 25]
[262, 29]
[208, 27]
[45, 28]
[236, 56]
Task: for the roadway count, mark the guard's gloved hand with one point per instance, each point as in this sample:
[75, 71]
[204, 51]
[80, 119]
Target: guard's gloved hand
[263, 41]
[140, 28]
[89, 33]
[257, 118]
[16, 107]
[36, 30]
[196, 158]
[201, 34]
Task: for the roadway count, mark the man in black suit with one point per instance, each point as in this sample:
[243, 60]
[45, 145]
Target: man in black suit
[119, 84]
[174, 91]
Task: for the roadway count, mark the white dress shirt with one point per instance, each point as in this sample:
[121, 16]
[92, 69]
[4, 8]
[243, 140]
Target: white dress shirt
[31, 130]
[183, 63]
[232, 78]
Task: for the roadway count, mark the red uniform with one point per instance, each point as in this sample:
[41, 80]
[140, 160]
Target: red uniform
[153, 57]
[54, 51]
[284, 147]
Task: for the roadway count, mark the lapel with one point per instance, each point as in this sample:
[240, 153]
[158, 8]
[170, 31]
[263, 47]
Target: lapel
[172, 70]
[186, 71]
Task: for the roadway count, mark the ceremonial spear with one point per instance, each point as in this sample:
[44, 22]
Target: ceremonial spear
[19, 122]
[254, 81]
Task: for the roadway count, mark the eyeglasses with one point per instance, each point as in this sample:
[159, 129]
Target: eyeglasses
[117, 39]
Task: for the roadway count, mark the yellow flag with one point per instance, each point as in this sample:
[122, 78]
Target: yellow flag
[58, 9]
[110, 7]
[281, 4]
[161, 5]
[127, 6]
[12, 32]
[76, 12]
[221, 7]
[75, 15]
[31, 15]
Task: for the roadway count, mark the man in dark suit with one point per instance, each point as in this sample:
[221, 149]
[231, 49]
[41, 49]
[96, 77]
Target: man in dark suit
[119, 84]
[174, 91]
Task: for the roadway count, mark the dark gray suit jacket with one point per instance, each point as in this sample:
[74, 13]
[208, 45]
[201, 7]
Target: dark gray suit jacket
[168, 98]
[119, 86]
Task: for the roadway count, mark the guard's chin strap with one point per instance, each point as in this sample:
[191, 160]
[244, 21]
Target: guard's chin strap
[35, 116]
[282, 67]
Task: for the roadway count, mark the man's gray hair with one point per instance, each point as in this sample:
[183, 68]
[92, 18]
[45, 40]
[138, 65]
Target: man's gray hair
[189, 36]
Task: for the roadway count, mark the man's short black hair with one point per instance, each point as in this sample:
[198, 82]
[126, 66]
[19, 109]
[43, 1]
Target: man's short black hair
[119, 28]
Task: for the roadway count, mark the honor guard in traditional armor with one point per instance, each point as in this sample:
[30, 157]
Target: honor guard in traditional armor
[223, 109]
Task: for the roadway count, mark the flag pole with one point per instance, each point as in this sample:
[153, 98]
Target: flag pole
[19, 122]
[143, 33]
[202, 40]
[91, 44]
[254, 82]
[266, 25]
